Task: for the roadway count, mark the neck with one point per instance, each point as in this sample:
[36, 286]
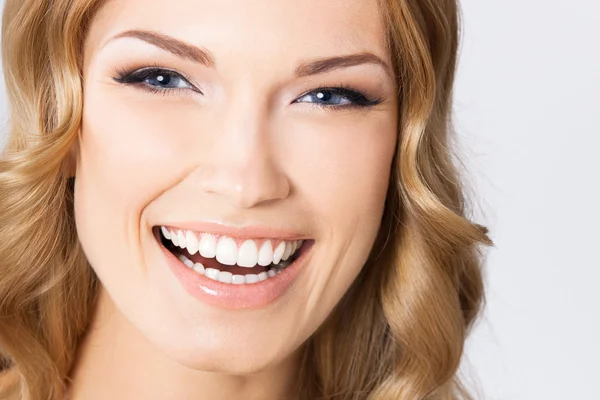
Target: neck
[115, 361]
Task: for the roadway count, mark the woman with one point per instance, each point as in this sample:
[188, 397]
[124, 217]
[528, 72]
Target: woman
[223, 200]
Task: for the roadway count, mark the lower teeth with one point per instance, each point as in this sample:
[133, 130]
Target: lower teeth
[228, 277]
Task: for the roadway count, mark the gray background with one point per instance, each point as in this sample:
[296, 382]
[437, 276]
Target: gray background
[527, 113]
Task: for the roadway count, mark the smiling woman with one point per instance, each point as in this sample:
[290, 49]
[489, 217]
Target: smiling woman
[217, 200]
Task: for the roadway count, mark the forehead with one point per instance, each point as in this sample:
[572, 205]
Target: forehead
[251, 29]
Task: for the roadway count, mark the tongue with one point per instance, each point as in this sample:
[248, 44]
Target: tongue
[234, 269]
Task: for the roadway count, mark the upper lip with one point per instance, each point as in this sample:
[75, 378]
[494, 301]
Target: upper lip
[239, 232]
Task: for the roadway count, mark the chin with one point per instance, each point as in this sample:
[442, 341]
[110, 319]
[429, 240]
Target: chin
[217, 346]
[227, 360]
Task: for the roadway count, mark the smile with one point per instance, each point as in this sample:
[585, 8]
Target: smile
[230, 260]
[233, 268]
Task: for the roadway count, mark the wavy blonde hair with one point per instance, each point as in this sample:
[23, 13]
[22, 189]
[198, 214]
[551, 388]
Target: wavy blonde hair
[399, 331]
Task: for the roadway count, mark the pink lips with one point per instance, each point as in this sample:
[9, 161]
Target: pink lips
[229, 296]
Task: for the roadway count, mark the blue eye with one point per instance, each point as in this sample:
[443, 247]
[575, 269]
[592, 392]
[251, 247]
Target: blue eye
[167, 80]
[161, 80]
[155, 79]
[336, 97]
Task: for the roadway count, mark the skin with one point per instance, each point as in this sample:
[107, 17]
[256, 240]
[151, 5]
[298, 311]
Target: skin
[241, 152]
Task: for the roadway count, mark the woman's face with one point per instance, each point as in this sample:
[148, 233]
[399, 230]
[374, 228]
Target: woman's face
[219, 118]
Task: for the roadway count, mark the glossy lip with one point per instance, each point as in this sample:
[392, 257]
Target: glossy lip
[235, 297]
[242, 232]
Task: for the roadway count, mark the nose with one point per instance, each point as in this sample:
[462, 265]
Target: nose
[241, 164]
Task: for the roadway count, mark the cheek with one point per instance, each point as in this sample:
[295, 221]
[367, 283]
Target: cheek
[125, 160]
[344, 176]
[345, 168]
[129, 149]
[130, 152]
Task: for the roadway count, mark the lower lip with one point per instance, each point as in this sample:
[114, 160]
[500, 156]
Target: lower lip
[235, 297]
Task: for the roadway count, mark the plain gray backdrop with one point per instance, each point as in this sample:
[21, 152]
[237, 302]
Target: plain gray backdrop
[527, 116]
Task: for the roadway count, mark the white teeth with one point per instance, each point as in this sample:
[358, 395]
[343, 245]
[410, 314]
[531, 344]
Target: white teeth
[225, 277]
[174, 239]
[287, 252]
[212, 273]
[228, 277]
[227, 251]
[165, 232]
[198, 268]
[191, 240]
[265, 255]
[181, 239]
[278, 253]
[248, 254]
[208, 246]
[190, 264]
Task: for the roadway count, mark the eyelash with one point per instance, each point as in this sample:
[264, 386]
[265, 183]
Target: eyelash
[137, 77]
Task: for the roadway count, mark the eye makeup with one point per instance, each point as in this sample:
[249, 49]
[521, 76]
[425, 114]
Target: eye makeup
[165, 81]
[155, 79]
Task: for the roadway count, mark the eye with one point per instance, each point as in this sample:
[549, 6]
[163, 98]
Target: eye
[336, 97]
[167, 80]
[155, 79]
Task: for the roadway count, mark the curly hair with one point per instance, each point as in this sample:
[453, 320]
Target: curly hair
[405, 318]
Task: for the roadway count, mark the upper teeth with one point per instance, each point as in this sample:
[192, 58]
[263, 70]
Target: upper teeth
[226, 250]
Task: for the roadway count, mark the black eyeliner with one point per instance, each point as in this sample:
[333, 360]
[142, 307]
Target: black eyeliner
[358, 99]
[137, 76]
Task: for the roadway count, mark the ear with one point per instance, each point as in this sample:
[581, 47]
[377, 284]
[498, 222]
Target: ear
[69, 166]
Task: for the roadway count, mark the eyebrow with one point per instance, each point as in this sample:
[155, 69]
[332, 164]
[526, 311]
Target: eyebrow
[202, 56]
[172, 45]
[324, 65]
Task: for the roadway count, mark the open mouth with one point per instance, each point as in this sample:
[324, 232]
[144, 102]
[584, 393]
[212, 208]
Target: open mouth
[230, 260]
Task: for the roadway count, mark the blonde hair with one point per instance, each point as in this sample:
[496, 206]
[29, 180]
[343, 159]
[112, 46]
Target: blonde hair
[398, 333]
